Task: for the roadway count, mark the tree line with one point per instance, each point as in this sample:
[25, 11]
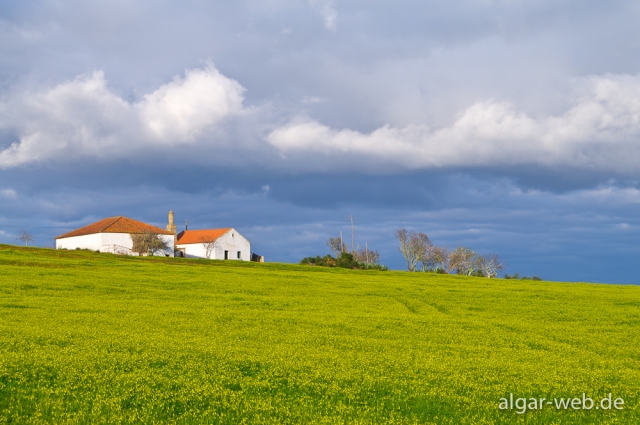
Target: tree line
[421, 255]
[416, 248]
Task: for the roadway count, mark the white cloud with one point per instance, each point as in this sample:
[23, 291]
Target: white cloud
[309, 100]
[327, 11]
[609, 194]
[84, 118]
[183, 108]
[601, 131]
[8, 193]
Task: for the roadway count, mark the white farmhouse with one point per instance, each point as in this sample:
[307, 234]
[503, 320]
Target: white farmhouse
[215, 244]
[113, 235]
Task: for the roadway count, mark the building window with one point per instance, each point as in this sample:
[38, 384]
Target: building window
[239, 255]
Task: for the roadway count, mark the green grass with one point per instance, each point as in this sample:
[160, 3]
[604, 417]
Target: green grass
[98, 338]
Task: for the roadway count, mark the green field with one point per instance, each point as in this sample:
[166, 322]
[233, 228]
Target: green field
[99, 338]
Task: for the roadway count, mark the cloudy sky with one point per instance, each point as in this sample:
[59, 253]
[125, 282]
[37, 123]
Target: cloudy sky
[508, 126]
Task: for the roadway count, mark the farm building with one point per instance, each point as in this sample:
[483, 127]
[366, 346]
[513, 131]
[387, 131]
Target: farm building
[215, 244]
[113, 235]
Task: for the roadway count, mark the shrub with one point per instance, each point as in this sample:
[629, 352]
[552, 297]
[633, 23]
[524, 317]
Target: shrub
[345, 260]
[326, 261]
[148, 243]
[517, 277]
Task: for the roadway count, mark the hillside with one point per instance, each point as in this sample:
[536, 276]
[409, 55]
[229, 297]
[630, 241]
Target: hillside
[99, 338]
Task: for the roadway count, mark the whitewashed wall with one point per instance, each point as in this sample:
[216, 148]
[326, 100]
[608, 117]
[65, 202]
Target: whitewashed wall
[121, 239]
[168, 239]
[231, 241]
[92, 242]
[105, 242]
[193, 250]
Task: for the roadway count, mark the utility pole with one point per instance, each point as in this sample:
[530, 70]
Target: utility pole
[352, 245]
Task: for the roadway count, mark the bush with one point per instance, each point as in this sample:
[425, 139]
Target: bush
[345, 261]
[148, 243]
[517, 277]
[326, 261]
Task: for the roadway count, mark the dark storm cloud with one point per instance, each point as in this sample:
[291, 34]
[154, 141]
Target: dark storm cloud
[582, 235]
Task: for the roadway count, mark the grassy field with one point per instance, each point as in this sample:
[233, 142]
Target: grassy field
[98, 338]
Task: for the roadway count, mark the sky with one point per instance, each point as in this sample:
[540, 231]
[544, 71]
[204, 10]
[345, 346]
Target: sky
[511, 127]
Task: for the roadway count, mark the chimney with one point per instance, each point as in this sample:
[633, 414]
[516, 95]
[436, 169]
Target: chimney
[171, 227]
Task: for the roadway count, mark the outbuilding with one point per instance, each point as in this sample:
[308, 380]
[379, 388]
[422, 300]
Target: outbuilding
[214, 244]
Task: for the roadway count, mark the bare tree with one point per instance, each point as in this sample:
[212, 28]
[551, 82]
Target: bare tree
[25, 236]
[209, 248]
[373, 256]
[413, 246]
[440, 256]
[336, 246]
[490, 265]
[148, 242]
[367, 256]
[462, 260]
[430, 260]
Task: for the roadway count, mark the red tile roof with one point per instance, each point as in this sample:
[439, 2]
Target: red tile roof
[115, 225]
[200, 236]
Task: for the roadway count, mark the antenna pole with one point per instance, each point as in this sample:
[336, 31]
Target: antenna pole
[352, 246]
